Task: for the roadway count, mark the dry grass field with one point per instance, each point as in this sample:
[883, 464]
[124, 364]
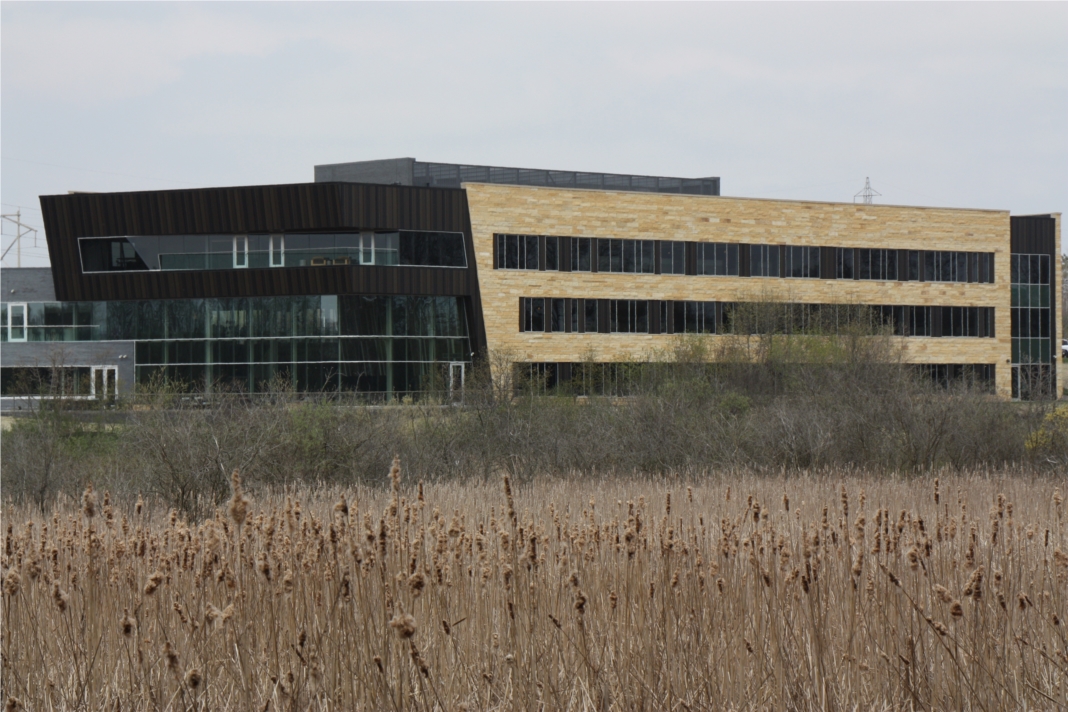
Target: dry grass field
[836, 591]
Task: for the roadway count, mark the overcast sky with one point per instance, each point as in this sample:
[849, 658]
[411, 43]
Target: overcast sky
[960, 104]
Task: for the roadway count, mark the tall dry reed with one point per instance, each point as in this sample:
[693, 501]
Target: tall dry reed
[838, 591]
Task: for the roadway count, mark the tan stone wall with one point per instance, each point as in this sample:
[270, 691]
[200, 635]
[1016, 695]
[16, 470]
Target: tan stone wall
[590, 213]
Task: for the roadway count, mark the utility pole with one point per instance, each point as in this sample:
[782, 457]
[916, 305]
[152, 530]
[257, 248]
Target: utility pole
[866, 194]
[21, 231]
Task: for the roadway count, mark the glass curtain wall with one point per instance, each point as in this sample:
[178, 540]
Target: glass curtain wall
[392, 346]
[1032, 330]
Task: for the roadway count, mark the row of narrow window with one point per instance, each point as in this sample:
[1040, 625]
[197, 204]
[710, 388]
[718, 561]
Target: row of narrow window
[639, 316]
[612, 255]
[620, 379]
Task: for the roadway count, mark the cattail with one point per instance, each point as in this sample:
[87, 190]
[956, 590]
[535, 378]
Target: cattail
[60, 597]
[263, 565]
[127, 624]
[580, 602]
[667, 504]
[416, 582]
[153, 582]
[974, 587]
[786, 502]
[689, 494]
[139, 507]
[287, 580]
[404, 624]
[342, 507]
[13, 704]
[936, 492]
[192, 679]
[378, 663]
[613, 600]
[508, 499]
[943, 594]
[89, 501]
[12, 582]
[172, 657]
[956, 610]
[394, 486]
[238, 505]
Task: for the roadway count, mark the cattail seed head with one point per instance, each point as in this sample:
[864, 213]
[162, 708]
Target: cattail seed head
[192, 679]
[404, 624]
[89, 501]
[12, 582]
[60, 597]
[580, 602]
[416, 583]
[974, 588]
[956, 610]
[127, 624]
[238, 505]
[153, 582]
[171, 656]
[342, 507]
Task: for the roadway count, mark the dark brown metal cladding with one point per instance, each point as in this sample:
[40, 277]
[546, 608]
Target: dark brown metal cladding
[1033, 234]
[261, 209]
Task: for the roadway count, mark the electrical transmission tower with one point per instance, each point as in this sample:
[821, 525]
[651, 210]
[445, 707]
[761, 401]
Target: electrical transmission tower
[21, 231]
[867, 194]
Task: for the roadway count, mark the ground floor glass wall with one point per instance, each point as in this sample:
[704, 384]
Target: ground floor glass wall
[393, 346]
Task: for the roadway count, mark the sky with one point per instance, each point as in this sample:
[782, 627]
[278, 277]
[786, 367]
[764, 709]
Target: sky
[956, 105]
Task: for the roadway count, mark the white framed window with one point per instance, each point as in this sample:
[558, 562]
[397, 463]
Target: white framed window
[367, 248]
[240, 251]
[277, 249]
[16, 321]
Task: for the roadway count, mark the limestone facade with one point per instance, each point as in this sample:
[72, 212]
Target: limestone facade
[598, 213]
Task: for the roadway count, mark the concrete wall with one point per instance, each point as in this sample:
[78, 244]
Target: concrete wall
[44, 354]
[27, 284]
[582, 213]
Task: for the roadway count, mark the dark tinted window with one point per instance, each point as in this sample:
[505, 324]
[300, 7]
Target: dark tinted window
[432, 249]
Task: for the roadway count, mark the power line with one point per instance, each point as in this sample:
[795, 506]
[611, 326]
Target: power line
[90, 170]
[22, 207]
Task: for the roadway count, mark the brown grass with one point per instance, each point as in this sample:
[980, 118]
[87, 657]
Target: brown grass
[822, 592]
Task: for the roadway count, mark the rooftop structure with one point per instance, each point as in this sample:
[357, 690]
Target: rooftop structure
[408, 171]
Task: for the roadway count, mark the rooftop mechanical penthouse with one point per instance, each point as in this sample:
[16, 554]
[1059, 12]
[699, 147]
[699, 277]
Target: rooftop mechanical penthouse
[388, 278]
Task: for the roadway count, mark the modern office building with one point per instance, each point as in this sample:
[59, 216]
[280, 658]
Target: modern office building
[387, 278]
